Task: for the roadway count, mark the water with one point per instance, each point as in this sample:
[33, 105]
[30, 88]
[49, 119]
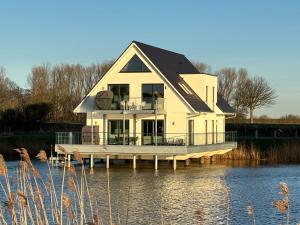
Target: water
[145, 196]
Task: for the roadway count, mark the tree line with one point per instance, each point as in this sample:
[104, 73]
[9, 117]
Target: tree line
[55, 90]
[243, 92]
[52, 94]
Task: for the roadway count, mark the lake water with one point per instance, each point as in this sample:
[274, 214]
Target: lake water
[145, 196]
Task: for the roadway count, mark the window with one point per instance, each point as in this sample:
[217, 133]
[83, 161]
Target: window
[120, 93]
[150, 93]
[134, 65]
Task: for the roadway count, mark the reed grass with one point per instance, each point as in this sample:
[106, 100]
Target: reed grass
[30, 198]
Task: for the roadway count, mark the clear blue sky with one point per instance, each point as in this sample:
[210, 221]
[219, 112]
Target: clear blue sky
[262, 36]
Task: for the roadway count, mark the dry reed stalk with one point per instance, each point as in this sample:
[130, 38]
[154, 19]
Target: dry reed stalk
[250, 211]
[201, 214]
[283, 206]
[88, 194]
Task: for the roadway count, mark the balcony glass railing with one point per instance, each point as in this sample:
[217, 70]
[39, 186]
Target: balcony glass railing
[144, 103]
[167, 139]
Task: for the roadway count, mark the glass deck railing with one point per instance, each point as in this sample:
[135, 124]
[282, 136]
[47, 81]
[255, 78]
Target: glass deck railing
[166, 139]
[138, 103]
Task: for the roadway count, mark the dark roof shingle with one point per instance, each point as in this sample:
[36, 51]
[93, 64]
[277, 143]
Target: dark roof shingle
[171, 64]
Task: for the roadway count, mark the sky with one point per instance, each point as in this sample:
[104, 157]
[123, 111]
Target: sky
[261, 36]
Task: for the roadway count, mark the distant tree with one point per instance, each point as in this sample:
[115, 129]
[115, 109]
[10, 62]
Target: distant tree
[290, 117]
[202, 67]
[239, 93]
[10, 92]
[226, 83]
[63, 86]
[258, 94]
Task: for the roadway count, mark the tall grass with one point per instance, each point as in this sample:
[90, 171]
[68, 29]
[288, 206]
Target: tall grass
[33, 199]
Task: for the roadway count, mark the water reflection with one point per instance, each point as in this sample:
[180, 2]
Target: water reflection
[143, 196]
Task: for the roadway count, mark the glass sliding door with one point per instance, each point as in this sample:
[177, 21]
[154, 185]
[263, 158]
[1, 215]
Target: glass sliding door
[116, 134]
[150, 93]
[148, 132]
[120, 93]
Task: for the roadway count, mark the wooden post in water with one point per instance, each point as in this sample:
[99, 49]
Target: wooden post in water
[134, 162]
[69, 161]
[107, 161]
[174, 162]
[91, 161]
[156, 162]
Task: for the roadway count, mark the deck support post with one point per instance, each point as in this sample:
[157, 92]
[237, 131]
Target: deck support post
[174, 162]
[91, 161]
[156, 162]
[69, 161]
[134, 161]
[187, 162]
[107, 161]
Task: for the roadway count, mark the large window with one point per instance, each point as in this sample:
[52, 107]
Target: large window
[120, 93]
[148, 132]
[135, 65]
[151, 93]
[116, 134]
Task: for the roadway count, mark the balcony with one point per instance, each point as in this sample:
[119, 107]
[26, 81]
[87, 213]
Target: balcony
[135, 105]
[145, 139]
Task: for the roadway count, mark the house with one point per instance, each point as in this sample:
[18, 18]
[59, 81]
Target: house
[152, 104]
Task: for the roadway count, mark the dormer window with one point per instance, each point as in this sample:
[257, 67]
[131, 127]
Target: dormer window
[135, 65]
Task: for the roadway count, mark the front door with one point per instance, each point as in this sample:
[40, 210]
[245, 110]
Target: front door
[148, 132]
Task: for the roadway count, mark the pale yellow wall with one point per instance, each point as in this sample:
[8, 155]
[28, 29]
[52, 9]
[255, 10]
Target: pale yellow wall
[198, 83]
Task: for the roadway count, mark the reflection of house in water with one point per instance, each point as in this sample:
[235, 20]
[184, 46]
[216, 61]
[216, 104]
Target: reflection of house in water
[152, 104]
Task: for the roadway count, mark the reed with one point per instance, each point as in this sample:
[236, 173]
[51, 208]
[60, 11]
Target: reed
[30, 198]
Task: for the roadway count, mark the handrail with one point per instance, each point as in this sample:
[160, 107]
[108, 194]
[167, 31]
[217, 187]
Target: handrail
[182, 139]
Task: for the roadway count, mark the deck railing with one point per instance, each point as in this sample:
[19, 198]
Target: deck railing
[166, 139]
[139, 103]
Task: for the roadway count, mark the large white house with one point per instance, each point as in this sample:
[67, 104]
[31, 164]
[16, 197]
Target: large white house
[152, 103]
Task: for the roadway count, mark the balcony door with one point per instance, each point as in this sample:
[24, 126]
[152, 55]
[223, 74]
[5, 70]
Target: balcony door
[150, 93]
[148, 132]
[120, 93]
[116, 134]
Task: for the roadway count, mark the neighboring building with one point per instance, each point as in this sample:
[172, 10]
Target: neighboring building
[156, 97]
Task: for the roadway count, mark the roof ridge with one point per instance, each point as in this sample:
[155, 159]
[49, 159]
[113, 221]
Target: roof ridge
[162, 49]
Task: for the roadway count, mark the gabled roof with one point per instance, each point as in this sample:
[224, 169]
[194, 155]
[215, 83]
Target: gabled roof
[171, 64]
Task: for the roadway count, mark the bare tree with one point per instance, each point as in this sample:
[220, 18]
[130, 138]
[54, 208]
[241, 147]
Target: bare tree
[226, 83]
[10, 92]
[239, 93]
[258, 94]
[202, 67]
